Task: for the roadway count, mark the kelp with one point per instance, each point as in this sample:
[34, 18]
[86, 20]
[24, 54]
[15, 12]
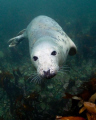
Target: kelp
[90, 110]
[69, 118]
[20, 104]
[24, 105]
[86, 99]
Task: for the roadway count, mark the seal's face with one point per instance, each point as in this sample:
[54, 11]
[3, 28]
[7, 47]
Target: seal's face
[45, 58]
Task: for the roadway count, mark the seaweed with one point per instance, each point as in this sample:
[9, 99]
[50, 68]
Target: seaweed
[83, 104]
[23, 104]
[11, 89]
[19, 105]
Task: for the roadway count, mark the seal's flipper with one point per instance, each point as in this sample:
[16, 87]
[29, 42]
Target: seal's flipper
[16, 40]
[73, 48]
[21, 32]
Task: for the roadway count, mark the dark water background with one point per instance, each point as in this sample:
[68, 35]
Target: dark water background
[16, 15]
[77, 18]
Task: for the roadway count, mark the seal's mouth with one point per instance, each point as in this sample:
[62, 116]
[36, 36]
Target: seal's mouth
[51, 76]
[48, 75]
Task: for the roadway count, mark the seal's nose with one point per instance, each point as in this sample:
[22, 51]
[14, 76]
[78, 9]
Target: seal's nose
[48, 75]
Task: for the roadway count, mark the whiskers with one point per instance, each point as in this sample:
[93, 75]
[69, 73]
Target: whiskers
[64, 69]
[35, 78]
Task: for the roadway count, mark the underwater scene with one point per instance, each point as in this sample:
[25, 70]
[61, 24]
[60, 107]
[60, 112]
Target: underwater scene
[70, 94]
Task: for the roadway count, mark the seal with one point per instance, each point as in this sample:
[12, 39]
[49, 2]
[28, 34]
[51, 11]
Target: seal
[49, 45]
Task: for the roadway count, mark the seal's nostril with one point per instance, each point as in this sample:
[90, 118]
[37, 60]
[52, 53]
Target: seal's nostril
[47, 73]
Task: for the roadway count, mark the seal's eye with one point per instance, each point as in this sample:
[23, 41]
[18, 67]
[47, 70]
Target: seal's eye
[35, 58]
[54, 53]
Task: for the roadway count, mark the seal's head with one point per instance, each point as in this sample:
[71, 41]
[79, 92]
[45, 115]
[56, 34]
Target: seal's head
[46, 57]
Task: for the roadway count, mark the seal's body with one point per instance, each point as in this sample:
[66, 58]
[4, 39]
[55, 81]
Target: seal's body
[49, 45]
